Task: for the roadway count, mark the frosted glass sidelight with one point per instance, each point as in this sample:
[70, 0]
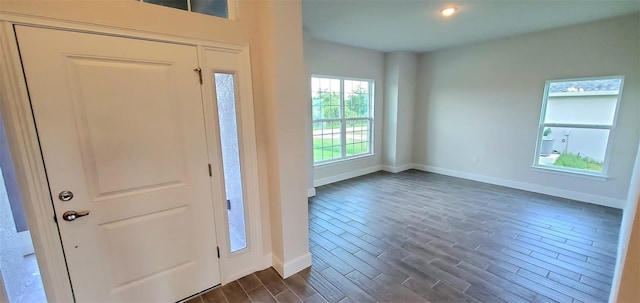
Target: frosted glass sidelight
[225, 94]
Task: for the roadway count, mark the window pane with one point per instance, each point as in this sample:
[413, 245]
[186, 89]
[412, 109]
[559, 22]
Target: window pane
[217, 8]
[325, 85]
[225, 93]
[325, 98]
[179, 4]
[356, 100]
[582, 102]
[357, 137]
[355, 86]
[576, 148]
[325, 105]
[327, 141]
[322, 84]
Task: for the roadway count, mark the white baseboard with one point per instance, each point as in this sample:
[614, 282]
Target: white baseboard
[311, 192]
[397, 169]
[589, 198]
[277, 265]
[347, 175]
[552, 191]
[292, 267]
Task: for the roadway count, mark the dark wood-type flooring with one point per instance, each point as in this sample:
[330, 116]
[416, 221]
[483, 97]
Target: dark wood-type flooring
[422, 237]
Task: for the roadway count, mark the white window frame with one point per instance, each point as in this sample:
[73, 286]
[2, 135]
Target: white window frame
[343, 121]
[542, 125]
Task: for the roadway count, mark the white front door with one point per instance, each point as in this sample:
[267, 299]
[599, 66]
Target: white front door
[121, 126]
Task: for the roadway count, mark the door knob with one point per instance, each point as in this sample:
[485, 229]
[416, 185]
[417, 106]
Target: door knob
[72, 215]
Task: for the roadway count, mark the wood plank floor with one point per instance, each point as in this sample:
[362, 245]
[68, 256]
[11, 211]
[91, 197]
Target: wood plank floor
[422, 237]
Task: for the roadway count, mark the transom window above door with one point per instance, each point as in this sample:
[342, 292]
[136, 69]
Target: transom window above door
[342, 115]
[218, 8]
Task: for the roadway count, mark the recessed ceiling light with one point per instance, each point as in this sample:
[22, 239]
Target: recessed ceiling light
[448, 11]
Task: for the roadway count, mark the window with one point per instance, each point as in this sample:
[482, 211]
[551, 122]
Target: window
[577, 119]
[342, 118]
[231, 166]
[218, 8]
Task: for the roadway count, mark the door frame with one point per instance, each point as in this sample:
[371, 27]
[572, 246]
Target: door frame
[23, 141]
[245, 261]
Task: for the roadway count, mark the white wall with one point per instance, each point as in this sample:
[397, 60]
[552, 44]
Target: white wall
[406, 104]
[327, 58]
[626, 278]
[400, 89]
[478, 106]
[288, 127]
[391, 93]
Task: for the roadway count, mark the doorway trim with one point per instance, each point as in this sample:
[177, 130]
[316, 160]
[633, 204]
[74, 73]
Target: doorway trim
[32, 180]
[29, 165]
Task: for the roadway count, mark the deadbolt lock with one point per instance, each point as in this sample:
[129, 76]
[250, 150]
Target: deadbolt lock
[65, 195]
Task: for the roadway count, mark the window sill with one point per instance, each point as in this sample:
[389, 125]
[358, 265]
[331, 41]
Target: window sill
[341, 161]
[580, 174]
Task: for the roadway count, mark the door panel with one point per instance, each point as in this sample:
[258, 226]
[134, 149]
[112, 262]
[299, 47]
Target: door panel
[121, 125]
[116, 160]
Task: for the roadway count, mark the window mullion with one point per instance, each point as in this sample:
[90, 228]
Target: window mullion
[370, 115]
[327, 120]
[343, 125]
[569, 125]
[370, 139]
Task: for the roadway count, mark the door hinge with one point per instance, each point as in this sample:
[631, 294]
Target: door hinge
[199, 71]
[228, 204]
[210, 171]
[218, 249]
[55, 219]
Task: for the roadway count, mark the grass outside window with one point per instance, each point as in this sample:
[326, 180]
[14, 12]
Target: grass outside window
[578, 162]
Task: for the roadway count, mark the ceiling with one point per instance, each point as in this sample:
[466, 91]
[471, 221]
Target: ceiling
[416, 25]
